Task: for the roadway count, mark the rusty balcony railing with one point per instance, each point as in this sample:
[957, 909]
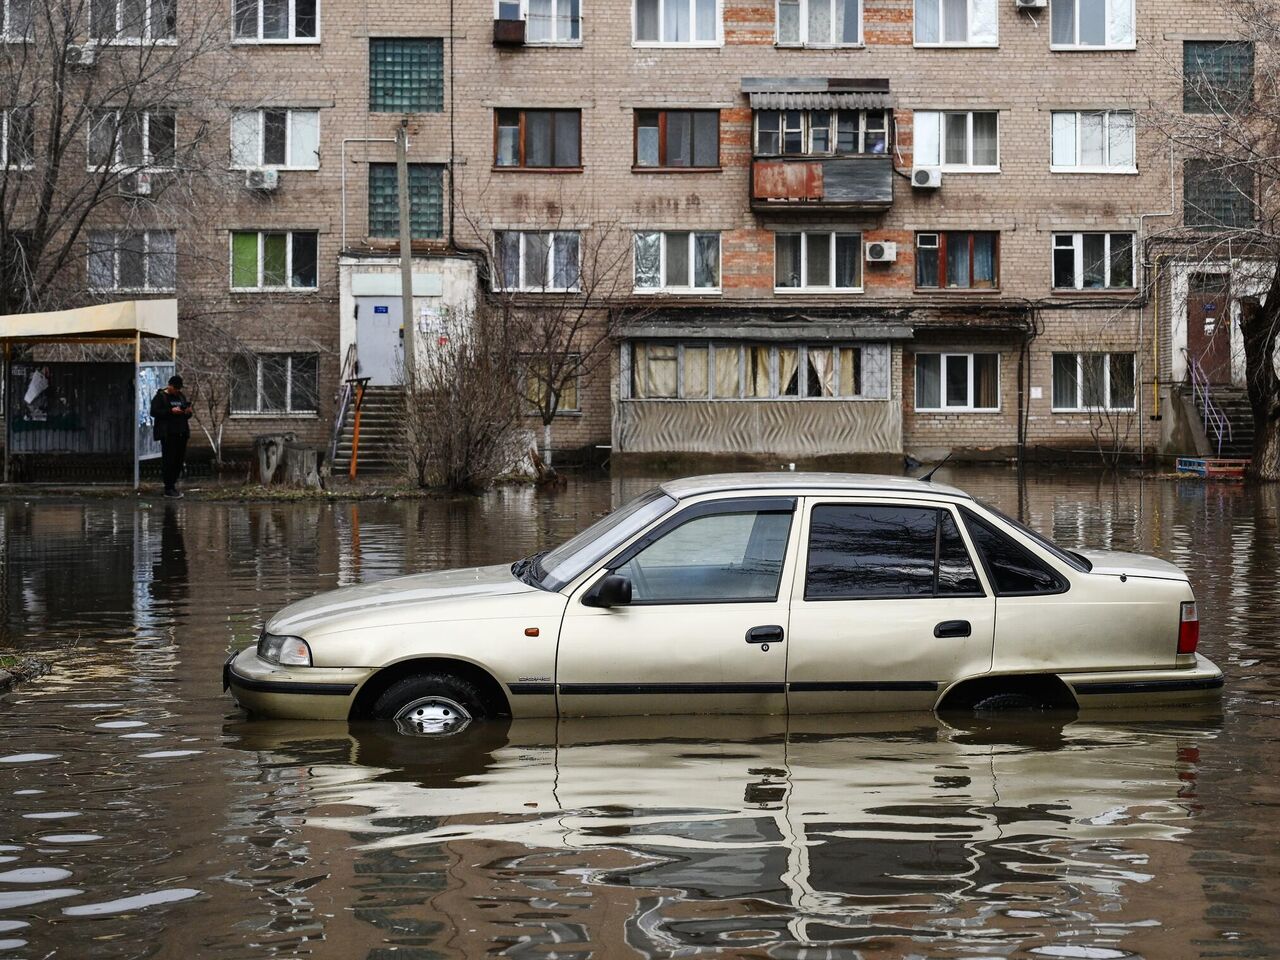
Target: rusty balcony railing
[822, 184]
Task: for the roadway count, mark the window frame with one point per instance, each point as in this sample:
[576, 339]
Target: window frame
[261, 114]
[1106, 167]
[117, 233]
[832, 243]
[806, 133]
[289, 412]
[804, 41]
[1077, 246]
[1077, 46]
[5, 127]
[969, 516]
[953, 44]
[523, 287]
[293, 37]
[943, 360]
[524, 15]
[969, 166]
[6, 18]
[147, 39]
[662, 166]
[662, 22]
[1106, 381]
[117, 165]
[1187, 205]
[288, 262]
[942, 237]
[526, 385]
[664, 287]
[522, 166]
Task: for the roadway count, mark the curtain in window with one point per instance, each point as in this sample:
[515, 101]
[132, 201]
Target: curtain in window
[819, 265]
[957, 138]
[244, 260]
[305, 142]
[984, 27]
[958, 260]
[566, 138]
[536, 248]
[706, 17]
[567, 21]
[1123, 381]
[647, 260]
[926, 265]
[565, 261]
[927, 25]
[822, 372]
[955, 21]
[706, 260]
[727, 372]
[1095, 260]
[1063, 26]
[655, 374]
[1122, 260]
[647, 141]
[1092, 141]
[986, 139]
[788, 374]
[1064, 139]
[928, 150]
[1093, 368]
[102, 260]
[819, 21]
[986, 380]
[1066, 381]
[508, 256]
[956, 380]
[538, 25]
[786, 260]
[677, 260]
[244, 139]
[647, 20]
[851, 379]
[675, 25]
[275, 255]
[848, 260]
[706, 138]
[508, 138]
[928, 381]
[847, 21]
[1120, 151]
[679, 138]
[695, 373]
[758, 370]
[984, 259]
[537, 138]
[788, 21]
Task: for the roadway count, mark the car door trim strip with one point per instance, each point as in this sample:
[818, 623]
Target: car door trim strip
[1149, 686]
[606, 689]
[532, 689]
[854, 686]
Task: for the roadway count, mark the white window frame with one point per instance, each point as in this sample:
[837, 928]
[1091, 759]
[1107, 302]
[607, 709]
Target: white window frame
[119, 166]
[663, 287]
[939, 116]
[1078, 167]
[119, 41]
[524, 15]
[985, 44]
[943, 360]
[5, 164]
[259, 413]
[116, 243]
[288, 263]
[6, 36]
[261, 113]
[807, 128]
[293, 37]
[1131, 44]
[805, 40]
[1077, 245]
[523, 286]
[1106, 382]
[693, 19]
[804, 286]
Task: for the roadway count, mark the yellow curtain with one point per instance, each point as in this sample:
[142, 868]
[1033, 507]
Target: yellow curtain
[695, 373]
[788, 382]
[758, 370]
[727, 372]
[850, 371]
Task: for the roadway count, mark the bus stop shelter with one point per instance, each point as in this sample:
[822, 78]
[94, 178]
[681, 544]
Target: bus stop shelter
[84, 408]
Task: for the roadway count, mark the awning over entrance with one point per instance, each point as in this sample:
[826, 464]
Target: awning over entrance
[120, 322]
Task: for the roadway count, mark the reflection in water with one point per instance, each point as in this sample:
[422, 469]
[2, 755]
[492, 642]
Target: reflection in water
[141, 815]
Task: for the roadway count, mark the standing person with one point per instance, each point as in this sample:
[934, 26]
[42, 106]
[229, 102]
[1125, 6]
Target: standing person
[171, 415]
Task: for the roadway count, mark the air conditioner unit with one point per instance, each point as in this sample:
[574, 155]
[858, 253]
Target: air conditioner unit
[82, 56]
[1031, 4]
[878, 251]
[926, 178]
[136, 185]
[264, 180]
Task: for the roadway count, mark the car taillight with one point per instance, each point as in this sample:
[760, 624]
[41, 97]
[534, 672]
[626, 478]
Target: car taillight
[1188, 628]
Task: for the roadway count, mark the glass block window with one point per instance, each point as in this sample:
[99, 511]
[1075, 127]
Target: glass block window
[1217, 76]
[426, 199]
[1217, 197]
[406, 75]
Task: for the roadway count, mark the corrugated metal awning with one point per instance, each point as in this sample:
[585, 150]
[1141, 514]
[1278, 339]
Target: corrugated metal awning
[813, 100]
[119, 321]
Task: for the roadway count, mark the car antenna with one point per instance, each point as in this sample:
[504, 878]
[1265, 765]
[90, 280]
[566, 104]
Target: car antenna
[928, 477]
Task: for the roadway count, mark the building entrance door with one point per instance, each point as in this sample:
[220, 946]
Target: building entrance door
[1209, 324]
[380, 340]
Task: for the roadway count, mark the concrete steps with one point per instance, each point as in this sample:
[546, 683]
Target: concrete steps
[381, 435]
[1233, 403]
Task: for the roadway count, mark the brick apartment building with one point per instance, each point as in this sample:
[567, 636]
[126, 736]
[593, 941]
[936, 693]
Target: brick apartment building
[847, 227]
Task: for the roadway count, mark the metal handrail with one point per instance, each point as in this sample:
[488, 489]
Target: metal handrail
[1214, 419]
[346, 390]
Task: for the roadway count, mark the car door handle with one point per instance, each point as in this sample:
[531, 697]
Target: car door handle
[767, 634]
[953, 628]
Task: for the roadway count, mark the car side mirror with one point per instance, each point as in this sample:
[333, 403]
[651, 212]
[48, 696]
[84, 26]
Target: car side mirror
[613, 590]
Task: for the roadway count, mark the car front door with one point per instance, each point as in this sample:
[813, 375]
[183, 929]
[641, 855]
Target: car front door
[705, 630]
[888, 607]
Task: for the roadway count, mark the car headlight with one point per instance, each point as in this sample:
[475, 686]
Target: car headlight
[286, 651]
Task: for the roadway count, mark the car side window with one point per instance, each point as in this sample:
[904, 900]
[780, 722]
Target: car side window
[1013, 570]
[715, 558]
[886, 551]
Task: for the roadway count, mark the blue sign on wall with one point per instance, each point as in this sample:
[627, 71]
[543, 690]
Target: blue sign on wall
[382, 309]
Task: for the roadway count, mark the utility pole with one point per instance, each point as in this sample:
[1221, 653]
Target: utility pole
[408, 321]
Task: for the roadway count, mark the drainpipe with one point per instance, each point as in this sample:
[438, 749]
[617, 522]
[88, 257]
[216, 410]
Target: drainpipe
[1151, 280]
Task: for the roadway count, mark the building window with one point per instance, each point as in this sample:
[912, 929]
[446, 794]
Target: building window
[406, 75]
[276, 20]
[537, 139]
[546, 21]
[956, 23]
[957, 381]
[1090, 24]
[16, 21]
[538, 261]
[1217, 75]
[536, 370]
[957, 140]
[817, 261]
[131, 21]
[275, 383]
[684, 22]
[820, 132]
[678, 139]
[17, 138]
[127, 260]
[270, 260]
[283, 139]
[819, 23]
[1093, 261]
[1094, 381]
[133, 140]
[958, 260]
[1093, 141]
[758, 371]
[1217, 197]
[677, 261]
[426, 197]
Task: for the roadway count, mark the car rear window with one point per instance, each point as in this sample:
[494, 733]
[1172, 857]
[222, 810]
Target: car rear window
[1013, 570]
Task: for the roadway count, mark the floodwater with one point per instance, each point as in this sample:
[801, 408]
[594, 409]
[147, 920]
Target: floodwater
[141, 815]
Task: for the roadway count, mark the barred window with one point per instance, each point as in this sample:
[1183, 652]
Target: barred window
[406, 75]
[426, 196]
[275, 383]
[1217, 76]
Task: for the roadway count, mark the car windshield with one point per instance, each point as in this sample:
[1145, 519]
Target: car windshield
[1069, 557]
[571, 558]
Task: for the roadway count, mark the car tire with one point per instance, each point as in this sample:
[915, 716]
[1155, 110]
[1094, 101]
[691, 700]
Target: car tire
[1003, 702]
[431, 704]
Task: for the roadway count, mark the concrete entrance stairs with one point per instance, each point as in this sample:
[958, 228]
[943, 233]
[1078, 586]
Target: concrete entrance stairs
[1232, 403]
[381, 435]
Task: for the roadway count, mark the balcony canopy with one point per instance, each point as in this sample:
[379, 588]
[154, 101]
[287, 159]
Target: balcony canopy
[816, 93]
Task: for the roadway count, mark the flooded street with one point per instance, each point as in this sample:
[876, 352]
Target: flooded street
[142, 815]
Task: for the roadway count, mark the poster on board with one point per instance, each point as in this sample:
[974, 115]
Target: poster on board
[151, 377]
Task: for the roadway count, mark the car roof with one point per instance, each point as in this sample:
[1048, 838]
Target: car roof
[799, 481]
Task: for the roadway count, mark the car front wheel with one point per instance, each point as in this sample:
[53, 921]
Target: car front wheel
[431, 705]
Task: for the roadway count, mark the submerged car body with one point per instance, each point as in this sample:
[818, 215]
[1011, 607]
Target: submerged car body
[748, 593]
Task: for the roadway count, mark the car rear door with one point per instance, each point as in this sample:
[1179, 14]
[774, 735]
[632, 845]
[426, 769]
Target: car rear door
[706, 629]
[888, 606]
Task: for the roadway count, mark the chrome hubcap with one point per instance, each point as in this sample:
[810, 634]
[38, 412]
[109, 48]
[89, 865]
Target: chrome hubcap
[432, 717]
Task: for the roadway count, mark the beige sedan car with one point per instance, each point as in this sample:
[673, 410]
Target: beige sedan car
[746, 593]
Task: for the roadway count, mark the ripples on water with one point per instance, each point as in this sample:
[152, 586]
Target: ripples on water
[142, 816]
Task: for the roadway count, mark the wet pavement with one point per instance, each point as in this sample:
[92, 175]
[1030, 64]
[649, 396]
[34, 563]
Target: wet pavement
[141, 815]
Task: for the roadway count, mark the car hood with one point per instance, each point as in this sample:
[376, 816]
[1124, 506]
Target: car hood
[447, 588]
[1115, 563]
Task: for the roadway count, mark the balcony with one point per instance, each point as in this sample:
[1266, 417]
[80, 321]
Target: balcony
[822, 184]
[508, 33]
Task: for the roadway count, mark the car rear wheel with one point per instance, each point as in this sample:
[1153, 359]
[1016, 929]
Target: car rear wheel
[431, 705]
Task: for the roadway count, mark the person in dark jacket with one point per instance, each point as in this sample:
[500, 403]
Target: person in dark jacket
[171, 415]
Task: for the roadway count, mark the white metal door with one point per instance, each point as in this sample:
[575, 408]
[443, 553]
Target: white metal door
[380, 339]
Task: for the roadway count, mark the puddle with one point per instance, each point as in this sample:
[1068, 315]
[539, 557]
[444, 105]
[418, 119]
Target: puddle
[130, 904]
